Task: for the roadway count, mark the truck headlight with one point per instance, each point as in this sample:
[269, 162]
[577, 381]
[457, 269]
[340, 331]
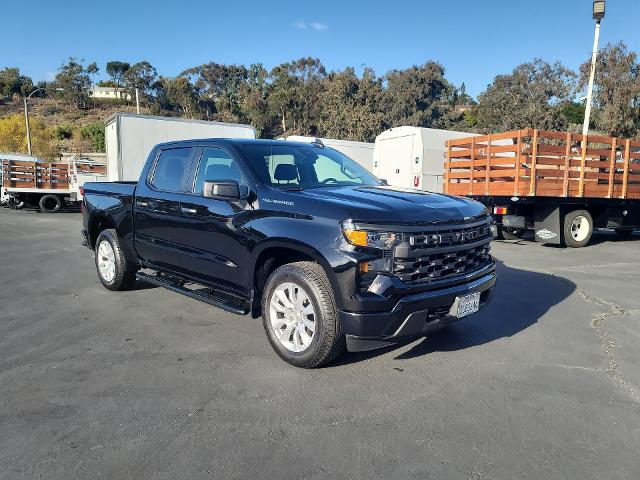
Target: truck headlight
[369, 238]
[379, 243]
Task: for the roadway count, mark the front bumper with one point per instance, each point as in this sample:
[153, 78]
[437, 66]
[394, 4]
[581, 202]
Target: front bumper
[412, 316]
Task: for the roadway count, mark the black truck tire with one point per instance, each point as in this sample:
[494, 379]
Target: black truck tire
[15, 203]
[578, 228]
[298, 296]
[114, 272]
[50, 203]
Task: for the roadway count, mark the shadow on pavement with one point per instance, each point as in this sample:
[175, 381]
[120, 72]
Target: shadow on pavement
[603, 236]
[519, 299]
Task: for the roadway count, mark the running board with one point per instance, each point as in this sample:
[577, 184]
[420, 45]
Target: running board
[203, 296]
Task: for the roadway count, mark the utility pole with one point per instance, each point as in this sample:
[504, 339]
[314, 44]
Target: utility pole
[598, 15]
[137, 102]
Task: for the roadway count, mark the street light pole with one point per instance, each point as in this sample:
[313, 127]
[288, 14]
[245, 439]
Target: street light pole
[26, 113]
[26, 120]
[598, 15]
[592, 74]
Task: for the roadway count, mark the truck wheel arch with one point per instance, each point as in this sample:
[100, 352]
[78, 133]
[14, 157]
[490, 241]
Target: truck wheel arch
[274, 254]
[97, 224]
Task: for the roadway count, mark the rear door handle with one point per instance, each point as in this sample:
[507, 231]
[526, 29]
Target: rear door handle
[190, 211]
[140, 203]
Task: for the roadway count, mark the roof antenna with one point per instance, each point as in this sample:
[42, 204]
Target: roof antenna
[317, 142]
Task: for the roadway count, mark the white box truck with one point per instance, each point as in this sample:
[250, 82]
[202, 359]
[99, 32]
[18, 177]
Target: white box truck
[130, 137]
[361, 152]
[412, 157]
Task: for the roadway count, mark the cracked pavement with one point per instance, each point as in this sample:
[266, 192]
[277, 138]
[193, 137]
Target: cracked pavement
[543, 383]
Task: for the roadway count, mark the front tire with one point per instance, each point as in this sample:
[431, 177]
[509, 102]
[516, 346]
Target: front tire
[114, 272]
[15, 203]
[578, 228]
[300, 316]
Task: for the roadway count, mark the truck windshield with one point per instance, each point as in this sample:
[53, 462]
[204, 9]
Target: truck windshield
[295, 167]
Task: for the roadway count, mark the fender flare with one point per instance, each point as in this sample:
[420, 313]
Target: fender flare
[300, 247]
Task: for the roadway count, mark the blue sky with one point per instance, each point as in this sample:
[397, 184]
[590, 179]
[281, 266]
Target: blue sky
[474, 40]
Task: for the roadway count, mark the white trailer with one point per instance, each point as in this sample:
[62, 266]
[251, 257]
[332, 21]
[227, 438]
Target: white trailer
[412, 157]
[361, 152]
[129, 138]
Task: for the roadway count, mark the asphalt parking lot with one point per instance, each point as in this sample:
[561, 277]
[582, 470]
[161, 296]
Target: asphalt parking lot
[543, 383]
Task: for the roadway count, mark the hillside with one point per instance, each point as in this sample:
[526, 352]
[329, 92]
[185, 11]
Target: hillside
[64, 122]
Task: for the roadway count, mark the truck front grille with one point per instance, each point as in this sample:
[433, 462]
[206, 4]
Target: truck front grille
[442, 265]
[442, 253]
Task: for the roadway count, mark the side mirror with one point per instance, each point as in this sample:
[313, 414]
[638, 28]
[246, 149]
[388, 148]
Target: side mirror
[221, 189]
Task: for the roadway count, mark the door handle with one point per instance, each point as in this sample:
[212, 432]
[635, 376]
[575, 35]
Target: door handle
[140, 203]
[190, 211]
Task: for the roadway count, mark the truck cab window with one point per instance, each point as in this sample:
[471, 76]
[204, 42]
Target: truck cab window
[170, 169]
[332, 171]
[215, 165]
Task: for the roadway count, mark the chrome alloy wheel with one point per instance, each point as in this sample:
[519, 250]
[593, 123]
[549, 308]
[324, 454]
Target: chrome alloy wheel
[106, 261]
[292, 317]
[580, 228]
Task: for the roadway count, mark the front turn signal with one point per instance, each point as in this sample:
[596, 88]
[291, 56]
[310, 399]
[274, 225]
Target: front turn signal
[356, 237]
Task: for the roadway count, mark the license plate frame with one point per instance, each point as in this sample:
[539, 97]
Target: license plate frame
[467, 304]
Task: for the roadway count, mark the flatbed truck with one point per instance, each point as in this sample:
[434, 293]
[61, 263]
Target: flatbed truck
[562, 185]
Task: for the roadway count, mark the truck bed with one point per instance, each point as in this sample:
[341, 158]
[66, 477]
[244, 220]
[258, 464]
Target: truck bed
[543, 163]
[35, 176]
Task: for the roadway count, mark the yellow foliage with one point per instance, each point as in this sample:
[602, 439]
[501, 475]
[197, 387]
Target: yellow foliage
[13, 137]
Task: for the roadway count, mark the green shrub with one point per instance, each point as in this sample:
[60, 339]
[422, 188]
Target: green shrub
[63, 132]
[95, 133]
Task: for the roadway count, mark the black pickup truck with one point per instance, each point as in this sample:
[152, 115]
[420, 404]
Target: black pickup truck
[328, 255]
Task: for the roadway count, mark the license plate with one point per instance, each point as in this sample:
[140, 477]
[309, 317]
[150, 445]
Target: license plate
[468, 304]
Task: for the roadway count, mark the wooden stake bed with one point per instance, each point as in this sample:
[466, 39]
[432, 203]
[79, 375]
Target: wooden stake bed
[33, 175]
[543, 163]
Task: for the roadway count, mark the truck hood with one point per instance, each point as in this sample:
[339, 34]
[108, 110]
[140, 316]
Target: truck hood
[386, 204]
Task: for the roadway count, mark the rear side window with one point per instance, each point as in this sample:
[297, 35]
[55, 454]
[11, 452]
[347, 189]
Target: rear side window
[170, 169]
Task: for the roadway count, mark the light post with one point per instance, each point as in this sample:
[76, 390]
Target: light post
[598, 15]
[26, 113]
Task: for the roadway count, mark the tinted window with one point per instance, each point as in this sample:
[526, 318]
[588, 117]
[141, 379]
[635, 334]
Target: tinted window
[305, 166]
[170, 169]
[216, 164]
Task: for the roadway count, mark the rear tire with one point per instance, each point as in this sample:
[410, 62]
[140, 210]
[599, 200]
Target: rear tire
[114, 272]
[578, 228]
[50, 203]
[300, 316]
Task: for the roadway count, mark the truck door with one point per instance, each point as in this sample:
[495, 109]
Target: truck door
[210, 247]
[157, 208]
[395, 161]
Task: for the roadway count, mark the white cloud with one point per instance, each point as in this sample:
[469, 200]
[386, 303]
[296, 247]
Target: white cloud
[319, 27]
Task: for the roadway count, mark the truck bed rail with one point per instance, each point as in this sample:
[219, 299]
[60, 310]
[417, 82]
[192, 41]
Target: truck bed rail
[543, 163]
[30, 174]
